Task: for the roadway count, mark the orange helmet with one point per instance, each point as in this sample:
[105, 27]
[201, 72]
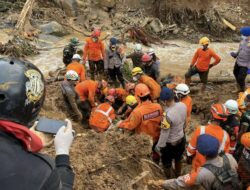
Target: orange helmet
[219, 111]
[112, 92]
[141, 90]
[245, 139]
[96, 33]
[111, 99]
[130, 86]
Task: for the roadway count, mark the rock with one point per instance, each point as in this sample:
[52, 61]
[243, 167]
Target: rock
[69, 6]
[156, 25]
[184, 34]
[176, 31]
[107, 3]
[53, 28]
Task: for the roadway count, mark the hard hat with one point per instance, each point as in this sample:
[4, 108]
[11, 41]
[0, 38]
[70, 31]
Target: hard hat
[232, 106]
[76, 56]
[131, 100]
[113, 41]
[129, 86]
[219, 111]
[96, 33]
[138, 47]
[204, 41]
[208, 145]
[166, 94]
[110, 99]
[182, 89]
[74, 41]
[141, 90]
[112, 92]
[72, 75]
[22, 91]
[146, 58]
[136, 71]
[245, 139]
[245, 31]
[151, 51]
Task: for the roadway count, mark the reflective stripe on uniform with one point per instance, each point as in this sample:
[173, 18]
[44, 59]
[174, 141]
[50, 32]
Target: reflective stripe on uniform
[191, 147]
[223, 143]
[203, 130]
[105, 113]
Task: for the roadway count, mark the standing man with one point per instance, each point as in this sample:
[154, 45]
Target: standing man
[201, 63]
[70, 50]
[136, 56]
[22, 166]
[114, 62]
[242, 56]
[172, 140]
[94, 52]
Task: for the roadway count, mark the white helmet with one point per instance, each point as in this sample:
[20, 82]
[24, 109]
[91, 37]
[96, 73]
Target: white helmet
[138, 47]
[71, 75]
[151, 51]
[232, 106]
[182, 89]
[76, 56]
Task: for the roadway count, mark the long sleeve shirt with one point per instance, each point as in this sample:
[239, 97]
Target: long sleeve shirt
[243, 58]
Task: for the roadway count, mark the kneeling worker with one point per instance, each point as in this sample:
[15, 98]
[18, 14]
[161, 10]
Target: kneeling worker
[101, 118]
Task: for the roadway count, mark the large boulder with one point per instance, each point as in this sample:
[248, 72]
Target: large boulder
[69, 6]
[53, 28]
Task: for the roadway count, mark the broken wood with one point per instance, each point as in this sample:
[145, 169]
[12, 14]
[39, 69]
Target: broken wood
[152, 163]
[228, 24]
[139, 178]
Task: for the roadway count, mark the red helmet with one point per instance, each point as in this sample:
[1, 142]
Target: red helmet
[146, 58]
[112, 92]
[141, 90]
[130, 86]
[245, 139]
[96, 33]
[219, 111]
[111, 99]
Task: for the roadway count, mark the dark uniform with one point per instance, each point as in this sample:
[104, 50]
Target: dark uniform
[68, 53]
[136, 59]
[152, 71]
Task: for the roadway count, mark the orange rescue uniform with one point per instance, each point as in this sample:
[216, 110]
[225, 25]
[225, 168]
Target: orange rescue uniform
[121, 94]
[188, 102]
[241, 100]
[87, 91]
[93, 51]
[202, 59]
[213, 130]
[154, 87]
[145, 118]
[101, 117]
[78, 68]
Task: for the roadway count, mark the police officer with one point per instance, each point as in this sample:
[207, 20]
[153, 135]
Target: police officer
[70, 50]
[22, 93]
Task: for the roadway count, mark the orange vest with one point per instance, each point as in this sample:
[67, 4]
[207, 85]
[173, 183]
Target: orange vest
[78, 68]
[188, 102]
[93, 51]
[154, 87]
[241, 100]
[101, 118]
[213, 130]
[145, 118]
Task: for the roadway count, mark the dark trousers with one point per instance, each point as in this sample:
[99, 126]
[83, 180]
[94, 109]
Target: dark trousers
[240, 74]
[193, 70]
[96, 68]
[116, 73]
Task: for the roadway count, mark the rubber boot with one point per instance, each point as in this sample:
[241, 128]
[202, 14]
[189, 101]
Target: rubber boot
[178, 167]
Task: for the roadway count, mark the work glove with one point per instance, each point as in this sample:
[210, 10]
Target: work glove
[234, 54]
[153, 184]
[64, 138]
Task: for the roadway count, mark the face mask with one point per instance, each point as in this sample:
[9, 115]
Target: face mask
[204, 47]
[95, 39]
[243, 37]
[135, 78]
[113, 48]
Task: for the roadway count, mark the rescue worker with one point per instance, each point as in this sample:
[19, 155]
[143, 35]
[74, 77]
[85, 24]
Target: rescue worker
[114, 62]
[87, 92]
[171, 144]
[219, 171]
[242, 57]
[22, 167]
[120, 95]
[150, 67]
[76, 66]
[156, 59]
[140, 77]
[131, 104]
[232, 124]
[102, 116]
[241, 100]
[219, 114]
[136, 56]
[145, 118]
[201, 63]
[245, 119]
[181, 94]
[69, 94]
[70, 50]
[94, 53]
[244, 162]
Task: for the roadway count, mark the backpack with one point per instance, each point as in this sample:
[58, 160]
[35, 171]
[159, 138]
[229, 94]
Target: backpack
[225, 177]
